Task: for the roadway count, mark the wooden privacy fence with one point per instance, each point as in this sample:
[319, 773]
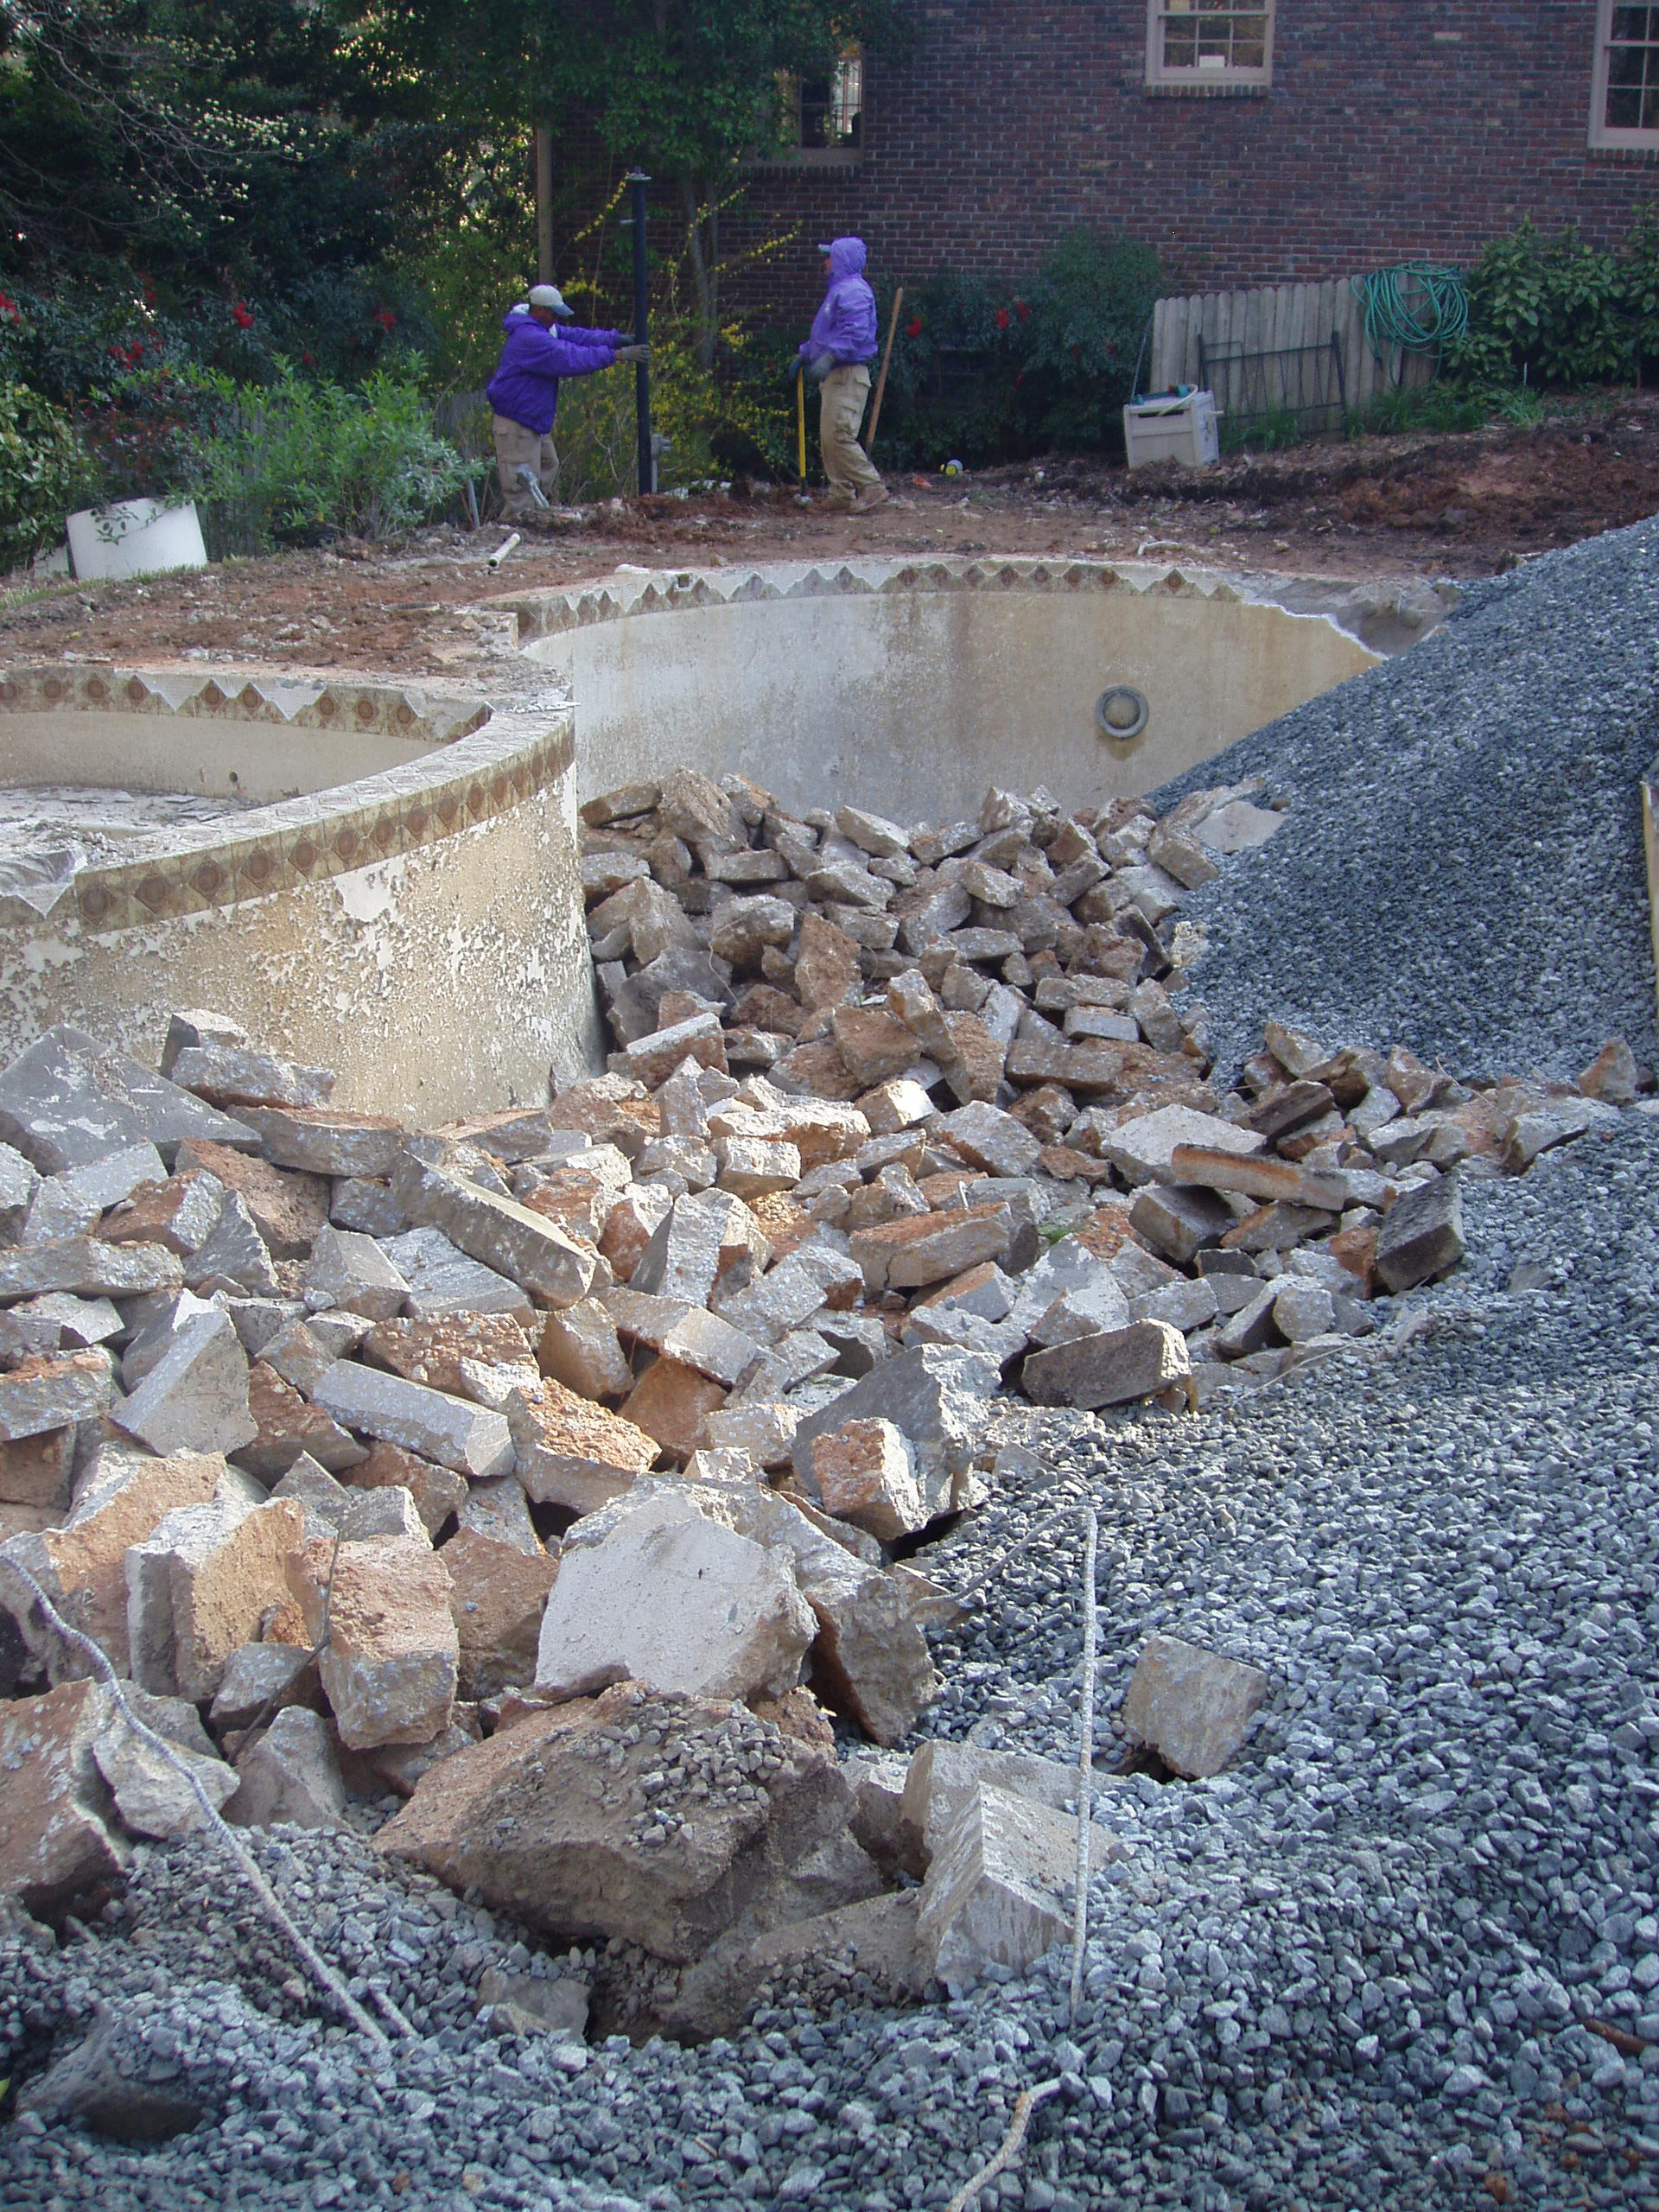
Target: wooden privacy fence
[1279, 350]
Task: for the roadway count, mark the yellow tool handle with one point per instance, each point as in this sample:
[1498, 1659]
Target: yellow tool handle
[800, 419]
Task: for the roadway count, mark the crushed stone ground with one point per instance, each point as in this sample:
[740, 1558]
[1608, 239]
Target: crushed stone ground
[1464, 871]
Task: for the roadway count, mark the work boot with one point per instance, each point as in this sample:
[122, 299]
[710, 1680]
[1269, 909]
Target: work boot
[840, 500]
[873, 496]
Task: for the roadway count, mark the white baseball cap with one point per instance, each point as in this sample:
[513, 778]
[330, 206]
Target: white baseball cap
[550, 295]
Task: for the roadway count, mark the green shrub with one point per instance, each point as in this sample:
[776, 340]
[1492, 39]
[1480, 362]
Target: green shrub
[985, 375]
[43, 473]
[1552, 314]
[1090, 304]
[296, 462]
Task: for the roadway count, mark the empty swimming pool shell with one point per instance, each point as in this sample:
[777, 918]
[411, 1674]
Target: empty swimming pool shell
[1110, 718]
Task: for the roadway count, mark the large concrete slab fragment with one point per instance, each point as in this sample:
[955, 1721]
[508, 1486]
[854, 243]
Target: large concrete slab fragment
[69, 1099]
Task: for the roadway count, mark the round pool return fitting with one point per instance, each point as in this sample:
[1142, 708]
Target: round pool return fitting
[1121, 713]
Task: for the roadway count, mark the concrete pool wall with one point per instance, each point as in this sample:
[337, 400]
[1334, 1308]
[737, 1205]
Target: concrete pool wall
[418, 928]
[911, 687]
[392, 889]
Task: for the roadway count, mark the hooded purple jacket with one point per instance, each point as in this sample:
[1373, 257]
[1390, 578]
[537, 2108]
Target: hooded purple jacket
[526, 386]
[845, 325]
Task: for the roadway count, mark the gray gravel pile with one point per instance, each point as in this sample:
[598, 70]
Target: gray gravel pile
[1464, 873]
[1353, 1970]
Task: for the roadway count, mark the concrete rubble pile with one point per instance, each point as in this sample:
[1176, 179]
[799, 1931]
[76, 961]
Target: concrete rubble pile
[559, 1472]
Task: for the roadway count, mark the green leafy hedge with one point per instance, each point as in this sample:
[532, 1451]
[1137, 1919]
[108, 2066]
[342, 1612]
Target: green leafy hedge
[43, 473]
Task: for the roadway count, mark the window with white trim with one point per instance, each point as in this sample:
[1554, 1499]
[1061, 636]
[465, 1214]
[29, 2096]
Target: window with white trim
[1624, 97]
[1209, 44]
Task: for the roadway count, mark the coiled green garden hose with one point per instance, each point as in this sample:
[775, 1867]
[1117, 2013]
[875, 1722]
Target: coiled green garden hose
[1416, 305]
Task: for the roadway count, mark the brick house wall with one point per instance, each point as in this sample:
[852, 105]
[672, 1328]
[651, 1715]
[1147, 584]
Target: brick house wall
[1392, 129]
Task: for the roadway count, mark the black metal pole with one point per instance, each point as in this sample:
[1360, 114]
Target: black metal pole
[637, 183]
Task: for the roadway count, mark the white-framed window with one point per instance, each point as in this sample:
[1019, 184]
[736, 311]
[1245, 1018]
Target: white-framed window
[1210, 45]
[1625, 95]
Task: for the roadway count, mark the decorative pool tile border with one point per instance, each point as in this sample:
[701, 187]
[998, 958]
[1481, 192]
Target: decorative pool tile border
[548, 613]
[504, 759]
[294, 703]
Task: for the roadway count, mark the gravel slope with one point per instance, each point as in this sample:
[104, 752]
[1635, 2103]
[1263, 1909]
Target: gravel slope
[1347, 1973]
[1463, 874]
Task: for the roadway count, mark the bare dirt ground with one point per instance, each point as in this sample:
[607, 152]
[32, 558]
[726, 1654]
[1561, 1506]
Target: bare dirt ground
[1379, 509]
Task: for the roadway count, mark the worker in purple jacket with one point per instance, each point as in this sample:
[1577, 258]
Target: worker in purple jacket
[837, 355]
[524, 394]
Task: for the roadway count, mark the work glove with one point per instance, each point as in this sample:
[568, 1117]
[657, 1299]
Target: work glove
[819, 366]
[632, 353]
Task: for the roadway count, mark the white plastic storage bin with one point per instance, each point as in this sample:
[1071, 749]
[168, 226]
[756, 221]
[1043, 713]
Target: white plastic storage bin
[137, 538]
[1180, 428]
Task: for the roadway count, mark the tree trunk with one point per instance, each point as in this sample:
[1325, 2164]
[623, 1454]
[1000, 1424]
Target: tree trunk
[702, 249]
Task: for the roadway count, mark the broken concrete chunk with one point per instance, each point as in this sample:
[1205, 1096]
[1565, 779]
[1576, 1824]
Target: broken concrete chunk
[323, 1141]
[499, 1234]
[88, 1267]
[497, 1597]
[1421, 1235]
[763, 1432]
[1111, 1368]
[261, 1678]
[152, 1798]
[1302, 1311]
[1235, 827]
[438, 1492]
[388, 1668]
[443, 1280]
[579, 1349]
[81, 1566]
[233, 1254]
[37, 1471]
[56, 1840]
[18, 1183]
[202, 1584]
[1193, 1707]
[179, 1213]
[999, 1890]
[935, 1395]
[240, 1075]
[725, 1617]
[865, 1472]
[1269, 1181]
[349, 1271]
[472, 1440]
[442, 1353]
[940, 1782]
[1613, 1076]
[69, 1100]
[573, 1453]
[287, 1208]
[499, 1510]
[41, 1395]
[1141, 1150]
[289, 1776]
[195, 1398]
[922, 1248]
[287, 1428]
[331, 1507]
[1180, 1220]
[582, 1821]
[986, 1137]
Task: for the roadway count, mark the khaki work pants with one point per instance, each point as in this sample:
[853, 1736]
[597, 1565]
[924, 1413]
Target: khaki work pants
[847, 465]
[516, 447]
